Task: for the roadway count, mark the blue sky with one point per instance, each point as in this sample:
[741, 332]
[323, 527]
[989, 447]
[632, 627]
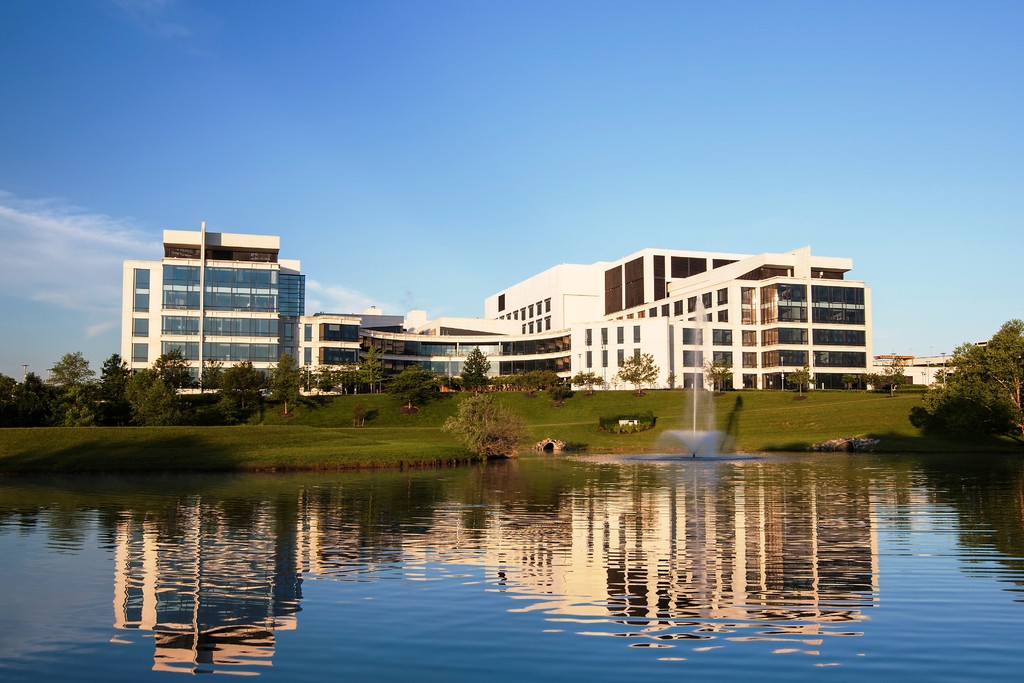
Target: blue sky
[428, 154]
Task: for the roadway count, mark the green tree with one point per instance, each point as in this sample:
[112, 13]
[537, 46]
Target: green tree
[213, 371]
[33, 402]
[475, 370]
[485, 427]
[8, 387]
[850, 381]
[76, 407]
[174, 369]
[114, 409]
[72, 370]
[982, 392]
[638, 371]
[240, 385]
[327, 379]
[154, 402]
[799, 379]
[718, 373]
[371, 368]
[286, 380]
[413, 386]
[586, 379]
[890, 379]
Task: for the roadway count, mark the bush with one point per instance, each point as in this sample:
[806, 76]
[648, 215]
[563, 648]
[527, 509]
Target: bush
[644, 421]
[485, 427]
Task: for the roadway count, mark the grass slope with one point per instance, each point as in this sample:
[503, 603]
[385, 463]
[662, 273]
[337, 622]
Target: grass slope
[320, 435]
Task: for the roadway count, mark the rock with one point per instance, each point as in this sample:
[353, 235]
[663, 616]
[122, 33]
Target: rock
[849, 444]
[552, 446]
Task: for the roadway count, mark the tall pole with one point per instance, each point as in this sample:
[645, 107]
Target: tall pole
[202, 299]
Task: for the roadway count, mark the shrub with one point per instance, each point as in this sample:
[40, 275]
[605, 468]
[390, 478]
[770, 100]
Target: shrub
[485, 427]
[644, 421]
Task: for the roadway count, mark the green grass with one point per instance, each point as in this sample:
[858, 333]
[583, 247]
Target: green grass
[320, 435]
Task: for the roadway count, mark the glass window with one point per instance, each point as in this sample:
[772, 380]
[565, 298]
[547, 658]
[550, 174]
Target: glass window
[691, 304]
[620, 356]
[588, 337]
[289, 332]
[531, 327]
[749, 337]
[723, 315]
[547, 305]
[590, 359]
[723, 297]
[705, 300]
[722, 357]
[140, 353]
[531, 311]
[636, 334]
[721, 337]
[307, 333]
[547, 323]
[604, 336]
[749, 359]
[604, 358]
[307, 356]
[692, 337]
[664, 310]
[620, 335]
[140, 327]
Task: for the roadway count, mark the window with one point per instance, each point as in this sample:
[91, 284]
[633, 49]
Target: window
[722, 357]
[693, 359]
[840, 359]
[636, 334]
[307, 333]
[749, 337]
[691, 304]
[664, 310]
[141, 304]
[531, 311]
[705, 300]
[590, 359]
[140, 327]
[547, 322]
[653, 313]
[547, 305]
[604, 336]
[620, 335]
[307, 356]
[721, 337]
[531, 327]
[604, 358]
[140, 353]
[620, 356]
[501, 302]
[588, 337]
[839, 337]
[289, 332]
[723, 315]
[677, 307]
[692, 337]
[723, 297]
[749, 359]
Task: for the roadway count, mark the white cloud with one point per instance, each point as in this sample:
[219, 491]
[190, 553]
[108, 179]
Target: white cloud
[63, 256]
[337, 299]
[155, 17]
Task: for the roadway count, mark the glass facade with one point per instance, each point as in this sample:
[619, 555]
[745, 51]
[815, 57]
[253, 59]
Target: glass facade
[838, 305]
[784, 303]
[292, 295]
[339, 332]
[181, 287]
[179, 324]
[783, 335]
[240, 289]
[840, 359]
[330, 356]
[839, 337]
[230, 351]
[241, 327]
[783, 358]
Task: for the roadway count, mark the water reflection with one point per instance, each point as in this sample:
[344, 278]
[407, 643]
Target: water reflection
[698, 555]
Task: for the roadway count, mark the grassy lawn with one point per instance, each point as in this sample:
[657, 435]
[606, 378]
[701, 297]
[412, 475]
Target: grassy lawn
[320, 434]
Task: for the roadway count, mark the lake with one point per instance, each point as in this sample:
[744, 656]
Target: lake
[598, 568]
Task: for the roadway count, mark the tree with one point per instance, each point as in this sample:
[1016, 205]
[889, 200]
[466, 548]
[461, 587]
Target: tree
[174, 369]
[212, 374]
[72, 370]
[672, 379]
[890, 379]
[114, 409]
[799, 379]
[154, 402]
[850, 381]
[8, 387]
[414, 385]
[485, 427]
[371, 367]
[982, 394]
[240, 385]
[586, 379]
[286, 380]
[33, 402]
[76, 407]
[326, 380]
[475, 370]
[638, 371]
[718, 373]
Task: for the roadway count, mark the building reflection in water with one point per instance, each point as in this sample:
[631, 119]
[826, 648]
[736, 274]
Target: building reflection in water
[213, 591]
[747, 552]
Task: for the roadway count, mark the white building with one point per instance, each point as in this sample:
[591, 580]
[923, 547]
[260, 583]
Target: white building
[216, 296]
[764, 315]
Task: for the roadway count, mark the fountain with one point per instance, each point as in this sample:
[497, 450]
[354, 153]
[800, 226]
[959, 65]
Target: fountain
[703, 437]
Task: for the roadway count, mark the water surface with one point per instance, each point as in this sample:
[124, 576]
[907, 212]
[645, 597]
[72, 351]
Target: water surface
[588, 569]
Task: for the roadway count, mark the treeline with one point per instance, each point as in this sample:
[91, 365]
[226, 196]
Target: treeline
[72, 395]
